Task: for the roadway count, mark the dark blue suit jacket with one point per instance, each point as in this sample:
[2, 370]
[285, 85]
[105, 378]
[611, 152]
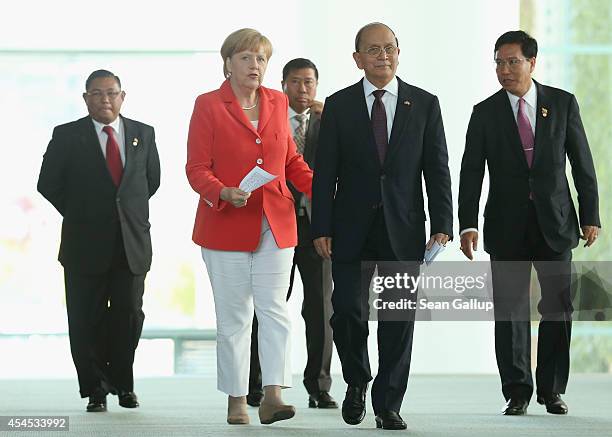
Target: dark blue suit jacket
[350, 183]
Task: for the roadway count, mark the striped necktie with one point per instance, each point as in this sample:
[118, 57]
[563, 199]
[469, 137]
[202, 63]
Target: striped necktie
[300, 133]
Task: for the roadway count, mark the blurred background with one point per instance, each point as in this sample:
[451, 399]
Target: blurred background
[168, 53]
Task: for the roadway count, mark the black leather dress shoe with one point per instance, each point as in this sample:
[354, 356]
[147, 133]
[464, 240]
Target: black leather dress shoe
[554, 403]
[254, 398]
[353, 407]
[97, 401]
[515, 407]
[389, 420]
[128, 399]
[321, 399]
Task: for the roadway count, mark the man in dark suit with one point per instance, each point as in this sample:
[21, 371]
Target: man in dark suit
[99, 173]
[300, 79]
[377, 138]
[524, 132]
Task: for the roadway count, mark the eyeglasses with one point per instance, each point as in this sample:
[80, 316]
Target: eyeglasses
[512, 63]
[99, 95]
[308, 83]
[376, 51]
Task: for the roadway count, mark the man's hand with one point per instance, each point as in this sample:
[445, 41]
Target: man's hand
[316, 107]
[235, 196]
[469, 242]
[589, 234]
[439, 237]
[323, 246]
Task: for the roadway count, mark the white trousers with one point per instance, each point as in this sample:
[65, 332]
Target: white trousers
[241, 280]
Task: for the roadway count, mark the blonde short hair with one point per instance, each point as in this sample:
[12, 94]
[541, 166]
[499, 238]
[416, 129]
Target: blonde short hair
[241, 40]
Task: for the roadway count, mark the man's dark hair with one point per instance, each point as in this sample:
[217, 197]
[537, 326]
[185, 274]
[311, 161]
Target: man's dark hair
[366, 27]
[529, 46]
[98, 74]
[298, 64]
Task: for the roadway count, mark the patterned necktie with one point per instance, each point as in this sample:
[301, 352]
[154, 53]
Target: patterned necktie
[300, 133]
[113, 157]
[379, 125]
[525, 132]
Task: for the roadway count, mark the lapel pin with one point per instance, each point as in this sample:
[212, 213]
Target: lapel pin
[544, 112]
[407, 102]
[135, 142]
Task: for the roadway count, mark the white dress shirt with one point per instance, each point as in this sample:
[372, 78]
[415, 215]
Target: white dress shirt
[117, 126]
[389, 99]
[531, 100]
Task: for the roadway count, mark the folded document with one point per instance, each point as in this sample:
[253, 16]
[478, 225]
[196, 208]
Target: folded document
[431, 254]
[256, 178]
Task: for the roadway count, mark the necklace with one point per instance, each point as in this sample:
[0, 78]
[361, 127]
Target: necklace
[246, 108]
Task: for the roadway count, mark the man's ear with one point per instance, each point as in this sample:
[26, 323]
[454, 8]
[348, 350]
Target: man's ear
[357, 58]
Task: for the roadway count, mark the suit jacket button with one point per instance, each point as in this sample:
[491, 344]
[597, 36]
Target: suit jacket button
[383, 177]
[258, 141]
[259, 161]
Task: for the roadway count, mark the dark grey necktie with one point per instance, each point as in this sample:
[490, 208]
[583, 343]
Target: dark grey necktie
[379, 125]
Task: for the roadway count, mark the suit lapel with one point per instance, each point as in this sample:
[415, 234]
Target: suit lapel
[543, 124]
[91, 144]
[363, 123]
[509, 127]
[403, 110]
[228, 97]
[130, 135]
[266, 109]
[311, 139]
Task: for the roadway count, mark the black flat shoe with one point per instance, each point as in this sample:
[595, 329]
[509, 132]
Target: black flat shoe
[321, 399]
[128, 399]
[254, 398]
[97, 401]
[515, 407]
[390, 420]
[554, 403]
[353, 407]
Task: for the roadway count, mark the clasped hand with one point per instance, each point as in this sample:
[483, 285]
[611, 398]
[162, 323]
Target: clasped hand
[235, 196]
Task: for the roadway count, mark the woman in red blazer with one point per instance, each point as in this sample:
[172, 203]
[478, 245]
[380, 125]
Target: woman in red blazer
[247, 238]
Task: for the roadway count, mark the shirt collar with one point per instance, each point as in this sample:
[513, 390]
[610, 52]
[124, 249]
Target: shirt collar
[292, 113]
[391, 87]
[116, 125]
[530, 97]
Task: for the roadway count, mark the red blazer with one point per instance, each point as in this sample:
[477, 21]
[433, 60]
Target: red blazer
[222, 147]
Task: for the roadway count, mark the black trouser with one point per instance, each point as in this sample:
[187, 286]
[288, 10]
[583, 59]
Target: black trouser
[105, 321]
[316, 311]
[350, 324]
[511, 286]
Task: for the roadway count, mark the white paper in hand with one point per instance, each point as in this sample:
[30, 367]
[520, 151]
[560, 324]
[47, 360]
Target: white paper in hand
[431, 254]
[256, 178]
